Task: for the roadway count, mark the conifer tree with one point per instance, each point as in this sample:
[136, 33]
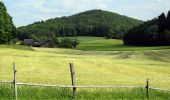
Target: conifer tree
[168, 21]
[7, 28]
[162, 21]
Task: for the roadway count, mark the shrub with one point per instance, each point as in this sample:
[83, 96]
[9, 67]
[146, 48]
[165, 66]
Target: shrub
[68, 43]
[14, 41]
[56, 41]
[75, 43]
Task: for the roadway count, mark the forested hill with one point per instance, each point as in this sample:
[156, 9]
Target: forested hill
[89, 23]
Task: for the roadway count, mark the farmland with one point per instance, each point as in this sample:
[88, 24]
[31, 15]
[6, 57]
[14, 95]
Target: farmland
[97, 61]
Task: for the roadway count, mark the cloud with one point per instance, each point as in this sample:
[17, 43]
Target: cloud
[45, 9]
[144, 10]
[28, 11]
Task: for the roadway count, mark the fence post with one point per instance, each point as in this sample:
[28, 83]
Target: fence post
[15, 81]
[147, 88]
[73, 79]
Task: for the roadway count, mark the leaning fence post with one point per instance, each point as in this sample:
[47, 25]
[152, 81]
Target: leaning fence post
[73, 79]
[147, 88]
[15, 81]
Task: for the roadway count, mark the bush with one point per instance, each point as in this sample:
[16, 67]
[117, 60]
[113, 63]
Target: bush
[14, 41]
[68, 43]
[56, 41]
[75, 43]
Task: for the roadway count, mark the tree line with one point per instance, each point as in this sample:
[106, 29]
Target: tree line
[152, 32]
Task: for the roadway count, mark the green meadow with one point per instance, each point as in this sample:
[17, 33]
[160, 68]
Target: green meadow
[97, 62]
[102, 44]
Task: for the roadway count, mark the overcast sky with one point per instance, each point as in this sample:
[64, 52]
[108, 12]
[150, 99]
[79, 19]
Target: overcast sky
[25, 12]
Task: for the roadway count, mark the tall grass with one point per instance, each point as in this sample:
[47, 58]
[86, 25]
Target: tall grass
[46, 93]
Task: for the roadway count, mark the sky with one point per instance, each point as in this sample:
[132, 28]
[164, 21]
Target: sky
[25, 12]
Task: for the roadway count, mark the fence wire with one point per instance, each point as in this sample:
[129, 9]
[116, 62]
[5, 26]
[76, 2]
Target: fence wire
[64, 86]
[159, 89]
[6, 81]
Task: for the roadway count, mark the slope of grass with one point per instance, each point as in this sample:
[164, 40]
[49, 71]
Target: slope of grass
[45, 65]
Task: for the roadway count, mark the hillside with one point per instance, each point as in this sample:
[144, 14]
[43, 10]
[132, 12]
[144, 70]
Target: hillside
[90, 23]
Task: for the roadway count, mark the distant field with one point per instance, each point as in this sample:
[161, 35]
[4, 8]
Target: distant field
[93, 66]
[102, 44]
[84, 39]
[89, 43]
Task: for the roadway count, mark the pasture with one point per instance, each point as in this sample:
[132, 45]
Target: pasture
[97, 62]
[102, 44]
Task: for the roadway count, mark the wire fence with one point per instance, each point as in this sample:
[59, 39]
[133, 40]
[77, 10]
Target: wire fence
[74, 86]
[159, 89]
[6, 81]
[64, 86]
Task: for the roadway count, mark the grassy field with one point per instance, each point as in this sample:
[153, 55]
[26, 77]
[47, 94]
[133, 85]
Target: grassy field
[102, 44]
[97, 62]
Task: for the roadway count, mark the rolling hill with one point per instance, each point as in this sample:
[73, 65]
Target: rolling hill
[89, 23]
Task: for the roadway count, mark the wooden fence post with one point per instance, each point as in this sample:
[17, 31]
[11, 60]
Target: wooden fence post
[147, 88]
[15, 81]
[73, 79]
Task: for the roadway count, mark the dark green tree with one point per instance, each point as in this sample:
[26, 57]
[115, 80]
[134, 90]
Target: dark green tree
[168, 21]
[154, 32]
[7, 28]
[162, 23]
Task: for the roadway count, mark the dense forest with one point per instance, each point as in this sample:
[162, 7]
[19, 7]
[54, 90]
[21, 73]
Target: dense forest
[153, 32]
[7, 28]
[89, 23]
